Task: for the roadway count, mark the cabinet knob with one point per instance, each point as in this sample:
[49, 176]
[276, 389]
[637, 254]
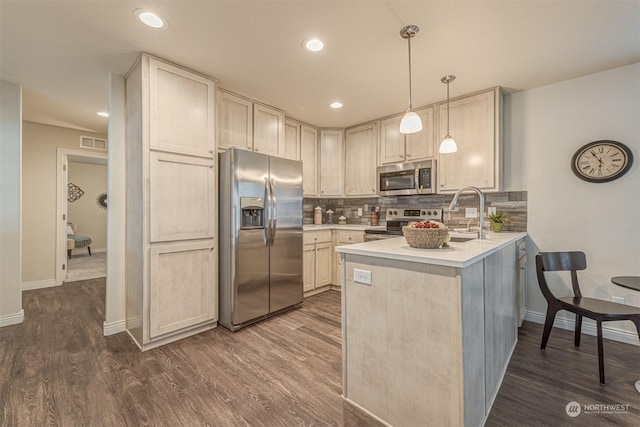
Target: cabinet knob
[408, 155]
[211, 166]
[315, 238]
[256, 150]
[349, 238]
[211, 151]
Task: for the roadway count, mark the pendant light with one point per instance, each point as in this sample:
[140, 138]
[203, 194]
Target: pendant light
[448, 144]
[411, 122]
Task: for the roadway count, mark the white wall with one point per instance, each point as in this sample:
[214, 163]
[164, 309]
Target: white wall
[90, 219]
[10, 204]
[544, 127]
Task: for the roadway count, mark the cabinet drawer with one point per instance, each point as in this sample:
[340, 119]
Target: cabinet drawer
[310, 237]
[346, 237]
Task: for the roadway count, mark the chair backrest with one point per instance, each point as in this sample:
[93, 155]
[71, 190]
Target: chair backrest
[72, 226]
[559, 261]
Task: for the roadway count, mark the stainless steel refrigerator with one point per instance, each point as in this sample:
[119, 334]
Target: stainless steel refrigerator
[260, 236]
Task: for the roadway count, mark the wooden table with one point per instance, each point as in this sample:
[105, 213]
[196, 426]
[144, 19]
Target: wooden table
[629, 282]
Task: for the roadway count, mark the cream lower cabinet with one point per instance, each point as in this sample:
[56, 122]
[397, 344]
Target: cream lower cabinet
[182, 274]
[475, 124]
[172, 208]
[340, 238]
[316, 259]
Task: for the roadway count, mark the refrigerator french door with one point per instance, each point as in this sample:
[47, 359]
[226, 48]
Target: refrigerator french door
[260, 236]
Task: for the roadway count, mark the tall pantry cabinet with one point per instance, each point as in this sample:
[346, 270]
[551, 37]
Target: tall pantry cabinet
[171, 230]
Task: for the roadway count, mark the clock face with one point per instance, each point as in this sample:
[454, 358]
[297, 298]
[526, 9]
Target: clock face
[601, 161]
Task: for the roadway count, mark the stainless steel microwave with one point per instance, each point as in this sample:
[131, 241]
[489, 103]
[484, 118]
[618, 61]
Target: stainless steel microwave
[404, 179]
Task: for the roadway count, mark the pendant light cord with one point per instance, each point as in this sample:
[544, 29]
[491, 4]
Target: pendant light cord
[448, 112]
[409, 44]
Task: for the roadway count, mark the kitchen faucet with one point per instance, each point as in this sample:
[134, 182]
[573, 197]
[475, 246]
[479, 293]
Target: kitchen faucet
[454, 202]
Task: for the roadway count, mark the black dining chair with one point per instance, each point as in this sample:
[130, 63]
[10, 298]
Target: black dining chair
[596, 309]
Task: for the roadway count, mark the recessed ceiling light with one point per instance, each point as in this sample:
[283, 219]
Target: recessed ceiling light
[314, 45]
[336, 105]
[103, 114]
[150, 19]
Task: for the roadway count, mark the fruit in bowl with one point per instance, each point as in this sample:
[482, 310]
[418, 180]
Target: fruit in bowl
[426, 224]
[425, 235]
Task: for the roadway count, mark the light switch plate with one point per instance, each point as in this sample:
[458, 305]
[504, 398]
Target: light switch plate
[619, 300]
[471, 212]
[359, 211]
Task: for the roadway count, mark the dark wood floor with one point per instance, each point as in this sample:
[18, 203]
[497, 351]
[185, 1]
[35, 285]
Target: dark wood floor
[56, 368]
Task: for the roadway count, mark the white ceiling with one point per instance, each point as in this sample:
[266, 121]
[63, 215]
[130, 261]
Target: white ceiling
[62, 51]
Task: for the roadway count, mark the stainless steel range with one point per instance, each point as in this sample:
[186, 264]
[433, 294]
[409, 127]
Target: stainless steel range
[398, 218]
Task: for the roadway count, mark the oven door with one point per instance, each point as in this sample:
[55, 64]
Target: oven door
[397, 182]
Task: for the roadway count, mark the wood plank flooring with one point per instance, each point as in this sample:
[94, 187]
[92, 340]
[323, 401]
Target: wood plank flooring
[56, 368]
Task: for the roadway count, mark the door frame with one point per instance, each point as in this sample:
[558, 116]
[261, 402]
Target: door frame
[63, 154]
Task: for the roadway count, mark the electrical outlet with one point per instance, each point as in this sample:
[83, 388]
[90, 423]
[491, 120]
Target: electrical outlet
[359, 211]
[362, 276]
[471, 212]
[619, 300]
[366, 207]
[491, 210]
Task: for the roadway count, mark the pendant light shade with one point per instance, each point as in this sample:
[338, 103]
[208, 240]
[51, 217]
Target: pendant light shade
[448, 144]
[411, 122]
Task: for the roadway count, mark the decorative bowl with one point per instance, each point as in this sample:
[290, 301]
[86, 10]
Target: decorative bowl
[425, 238]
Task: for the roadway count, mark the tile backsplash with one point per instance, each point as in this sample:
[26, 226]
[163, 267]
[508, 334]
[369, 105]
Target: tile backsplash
[512, 203]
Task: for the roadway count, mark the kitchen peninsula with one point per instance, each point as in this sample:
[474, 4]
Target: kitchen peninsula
[431, 335]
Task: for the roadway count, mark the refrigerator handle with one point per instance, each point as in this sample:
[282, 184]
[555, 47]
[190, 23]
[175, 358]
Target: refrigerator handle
[274, 212]
[267, 228]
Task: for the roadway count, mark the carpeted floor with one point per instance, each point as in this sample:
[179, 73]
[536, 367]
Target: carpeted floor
[84, 267]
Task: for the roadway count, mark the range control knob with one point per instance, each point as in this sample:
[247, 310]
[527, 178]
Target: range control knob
[395, 212]
[426, 213]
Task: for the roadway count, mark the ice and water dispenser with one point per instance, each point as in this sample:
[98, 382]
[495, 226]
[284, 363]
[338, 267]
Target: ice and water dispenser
[252, 209]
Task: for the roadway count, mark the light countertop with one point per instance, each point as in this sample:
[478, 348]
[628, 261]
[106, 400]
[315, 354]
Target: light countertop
[354, 227]
[459, 254]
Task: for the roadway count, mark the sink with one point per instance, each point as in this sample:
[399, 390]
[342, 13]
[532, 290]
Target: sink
[461, 239]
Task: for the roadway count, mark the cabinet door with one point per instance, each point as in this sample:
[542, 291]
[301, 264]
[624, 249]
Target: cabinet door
[391, 141]
[419, 146]
[360, 160]
[235, 121]
[181, 107]
[473, 122]
[331, 163]
[183, 287]
[181, 197]
[291, 139]
[323, 264]
[308, 267]
[268, 130]
[309, 156]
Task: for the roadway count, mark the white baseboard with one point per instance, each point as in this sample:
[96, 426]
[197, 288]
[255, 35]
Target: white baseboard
[113, 328]
[38, 284]
[84, 250]
[12, 319]
[588, 327]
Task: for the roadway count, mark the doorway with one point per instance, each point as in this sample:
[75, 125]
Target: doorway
[79, 203]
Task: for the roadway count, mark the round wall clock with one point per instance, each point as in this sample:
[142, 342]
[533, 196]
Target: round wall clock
[601, 161]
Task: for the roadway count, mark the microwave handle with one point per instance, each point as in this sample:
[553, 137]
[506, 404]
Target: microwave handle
[417, 179]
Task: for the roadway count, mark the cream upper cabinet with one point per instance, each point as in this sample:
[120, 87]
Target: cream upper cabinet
[331, 163]
[360, 160]
[396, 147]
[475, 122]
[268, 130]
[291, 139]
[391, 141]
[309, 157]
[419, 145]
[181, 110]
[235, 121]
